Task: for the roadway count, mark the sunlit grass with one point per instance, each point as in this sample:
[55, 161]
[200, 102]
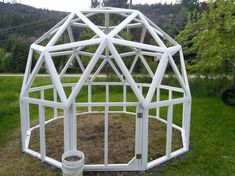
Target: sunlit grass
[212, 127]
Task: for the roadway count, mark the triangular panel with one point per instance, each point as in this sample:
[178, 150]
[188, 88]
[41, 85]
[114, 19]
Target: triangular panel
[171, 81]
[126, 73]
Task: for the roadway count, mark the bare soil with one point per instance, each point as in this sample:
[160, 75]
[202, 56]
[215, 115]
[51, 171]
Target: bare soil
[91, 141]
[90, 138]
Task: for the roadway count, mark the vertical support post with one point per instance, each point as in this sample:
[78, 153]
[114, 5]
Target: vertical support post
[124, 96]
[23, 125]
[187, 123]
[66, 131]
[70, 128]
[27, 115]
[107, 92]
[169, 128]
[106, 23]
[184, 124]
[73, 125]
[141, 89]
[183, 69]
[145, 138]
[42, 128]
[138, 133]
[107, 99]
[158, 99]
[55, 97]
[106, 127]
[89, 96]
[106, 136]
[186, 106]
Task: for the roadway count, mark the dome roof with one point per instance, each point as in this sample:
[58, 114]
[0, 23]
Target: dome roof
[106, 25]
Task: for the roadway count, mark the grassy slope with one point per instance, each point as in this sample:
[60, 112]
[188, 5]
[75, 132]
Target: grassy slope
[212, 133]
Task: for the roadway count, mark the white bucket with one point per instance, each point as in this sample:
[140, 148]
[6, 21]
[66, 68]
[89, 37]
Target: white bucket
[73, 163]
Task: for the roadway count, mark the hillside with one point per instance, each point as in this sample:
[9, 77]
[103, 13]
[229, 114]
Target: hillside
[21, 25]
[171, 18]
[26, 21]
[30, 22]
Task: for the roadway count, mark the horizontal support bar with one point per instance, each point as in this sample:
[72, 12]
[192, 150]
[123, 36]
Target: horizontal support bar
[138, 45]
[84, 53]
[34, 89]
[91, 167]
[106, 104]
[110, 112]
[169, 102]
[84, 25]
[43, 102]
[164, 158]
[132, 53]
[37, 48]
[154, 54]
[175, 89]
[128, 26]
[75, 44]
[164, 121]
[111, 167]
[108, 11]
[62, 53]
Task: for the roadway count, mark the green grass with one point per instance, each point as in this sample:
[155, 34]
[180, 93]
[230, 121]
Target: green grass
[212, 128]
[9, 107]
[212, 139]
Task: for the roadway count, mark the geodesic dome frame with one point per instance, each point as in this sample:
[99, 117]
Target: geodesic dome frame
[107, 38]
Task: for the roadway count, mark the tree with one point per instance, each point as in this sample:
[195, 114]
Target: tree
[179, 21]
[116, 3]
[3, 61]
[190, 4]
[19, 52]
[209, 42]
[95, 3]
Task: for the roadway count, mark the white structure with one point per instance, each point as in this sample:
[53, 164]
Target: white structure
[107, 37]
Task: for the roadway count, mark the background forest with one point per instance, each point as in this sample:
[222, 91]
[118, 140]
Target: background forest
[205, 30]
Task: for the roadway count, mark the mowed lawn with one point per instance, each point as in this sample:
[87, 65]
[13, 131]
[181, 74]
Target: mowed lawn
[212, 133]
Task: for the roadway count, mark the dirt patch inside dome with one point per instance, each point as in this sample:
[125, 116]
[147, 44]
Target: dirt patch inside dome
[90, 138]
